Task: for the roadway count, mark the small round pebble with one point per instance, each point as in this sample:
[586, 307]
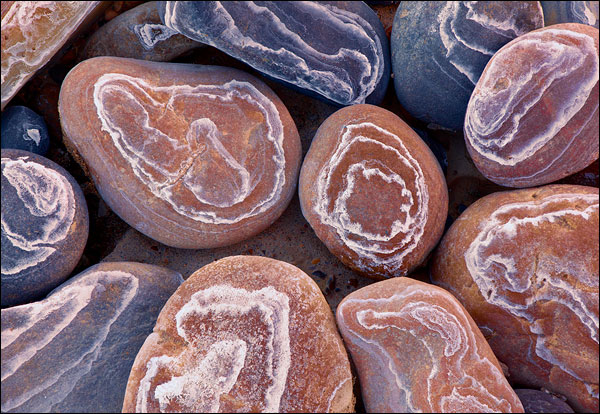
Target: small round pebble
[25, 130]
[44, 226]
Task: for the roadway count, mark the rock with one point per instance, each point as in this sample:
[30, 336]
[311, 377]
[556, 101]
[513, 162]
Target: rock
[535, 401]
[72, 352]
[25, 130]
[138, 33]
[440, 48]
[585, 12]
[524, 263]
[205, 156]
[373, 192]
[32, 33]
[533, 116]
[336, 50]
[243, 334]
[44, 226]
[416, 349]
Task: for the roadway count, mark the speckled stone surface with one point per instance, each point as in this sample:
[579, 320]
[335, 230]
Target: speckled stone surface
[44, 226]
[72, 352]
[25, 130]
[440, 48]
[335, 50]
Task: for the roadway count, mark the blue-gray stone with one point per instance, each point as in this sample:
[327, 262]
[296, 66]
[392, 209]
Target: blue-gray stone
[73, 351]
[439, 50]
[25, 130]
[584, 12]
[336, 50]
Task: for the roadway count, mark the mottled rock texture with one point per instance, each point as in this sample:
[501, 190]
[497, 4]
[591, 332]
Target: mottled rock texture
[44, 226]
[524, 263]
[193, 156]
[243, 334]
[416, 349]
[72, 352]
[533, 116]
[139, 34]
[25, 130]
[32, 32]
[440, 48]
[585, 12]
[334, 49]
[373, 192]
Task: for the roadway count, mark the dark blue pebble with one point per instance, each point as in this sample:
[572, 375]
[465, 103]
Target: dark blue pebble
[25, 130]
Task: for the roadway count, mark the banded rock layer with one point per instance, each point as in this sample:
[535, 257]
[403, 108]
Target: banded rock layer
[335, 50]
[533, 116]
[373, 192]
[525, 265]
[440, 48]
[44, 226]
[416, 349]
[192, 156]
[243, 334]
[72, 352]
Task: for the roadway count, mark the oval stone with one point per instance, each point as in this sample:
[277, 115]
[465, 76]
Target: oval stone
[584, 12]
[243, 334]
[440, 48]
[416, 349]
[44, 226]
[25, 130]
[33, 32]
[373, 191]
[524, 263]
[72, 351]
[533, 116]
[335, 50]
[192, 156]
[139, 34]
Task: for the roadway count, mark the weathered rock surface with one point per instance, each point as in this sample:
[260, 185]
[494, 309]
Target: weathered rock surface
[335, 49]
[243, 334]
[416, 349]
[72, 352]
[535, 401]
[25, 130]
[192, 156]
[524, 264]
[44, 226]
[373, 192]
[533, 116]
[440, 48]
[32, 32]
[584, 12]
[139, 34]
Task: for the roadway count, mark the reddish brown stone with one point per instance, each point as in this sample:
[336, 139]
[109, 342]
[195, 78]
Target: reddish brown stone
[192, 156]
[373, 192]
[416, 349]
[243, 334]
[533, 116]
[525, 265]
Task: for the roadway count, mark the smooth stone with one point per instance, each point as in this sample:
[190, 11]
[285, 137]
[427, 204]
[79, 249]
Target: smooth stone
[535, 401]
[524, 263]
[193, 156]
[72, 352]
[416, 349]
[584, 12]
[44, 226]
[243, 334]
[337, 50]
[373, 192]
[33, 32]
[25, 130]
[440, 48]
[533, 116]
[139, 34]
